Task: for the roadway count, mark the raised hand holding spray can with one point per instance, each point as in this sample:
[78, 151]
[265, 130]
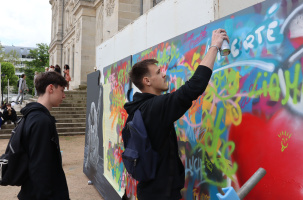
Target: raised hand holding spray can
[225, 49]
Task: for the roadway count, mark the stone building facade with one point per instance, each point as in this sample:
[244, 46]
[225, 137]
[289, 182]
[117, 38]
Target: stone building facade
[79, 26]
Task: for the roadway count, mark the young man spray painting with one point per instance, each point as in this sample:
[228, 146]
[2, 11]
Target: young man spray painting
[159, 112]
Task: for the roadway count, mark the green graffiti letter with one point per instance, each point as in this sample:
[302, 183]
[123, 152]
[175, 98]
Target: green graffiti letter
[274, 87]
[293, 85]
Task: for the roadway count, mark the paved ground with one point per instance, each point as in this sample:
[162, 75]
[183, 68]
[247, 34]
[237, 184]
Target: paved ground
[73, 151]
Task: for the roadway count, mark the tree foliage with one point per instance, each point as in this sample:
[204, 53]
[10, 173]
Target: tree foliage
[40, 60]
[8, 72]
[40, 56]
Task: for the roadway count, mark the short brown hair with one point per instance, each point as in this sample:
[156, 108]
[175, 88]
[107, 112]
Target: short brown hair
[46, 78]
[139, 70]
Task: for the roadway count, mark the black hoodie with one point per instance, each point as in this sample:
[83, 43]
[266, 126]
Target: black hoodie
[159, 114]
[41, 142]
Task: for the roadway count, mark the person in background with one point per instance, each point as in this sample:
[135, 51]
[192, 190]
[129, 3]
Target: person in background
[1, 119]
[35, 76]
[9, 113]
[51, 68]
[46, 69]
[58, 69]
[22, 88]
[3, 106]
[67, 76]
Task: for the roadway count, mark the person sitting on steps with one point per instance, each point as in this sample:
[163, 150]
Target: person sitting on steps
[9, 113]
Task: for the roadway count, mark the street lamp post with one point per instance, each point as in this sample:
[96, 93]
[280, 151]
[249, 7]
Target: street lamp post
[7, 91]
[2, 75]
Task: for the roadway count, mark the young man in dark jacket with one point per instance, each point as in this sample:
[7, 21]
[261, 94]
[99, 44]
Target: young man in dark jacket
[159, 113]
[46, 176]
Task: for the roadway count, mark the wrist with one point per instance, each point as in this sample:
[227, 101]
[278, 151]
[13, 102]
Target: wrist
[214, 47]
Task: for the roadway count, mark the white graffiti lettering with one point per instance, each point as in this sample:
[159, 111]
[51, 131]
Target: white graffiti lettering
[258, 32]
[270, 31]
[193, 168]
[234, 51]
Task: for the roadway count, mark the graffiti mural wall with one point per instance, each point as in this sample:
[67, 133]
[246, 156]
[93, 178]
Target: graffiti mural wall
[251, 113]
[93, 165]
[105, 119]
[116, 86]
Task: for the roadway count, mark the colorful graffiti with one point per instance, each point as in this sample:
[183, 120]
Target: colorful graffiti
[252, 110]
[250, 115]
[116, 85]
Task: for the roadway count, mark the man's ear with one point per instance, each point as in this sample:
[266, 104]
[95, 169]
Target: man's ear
[146, 81]
[49, 89]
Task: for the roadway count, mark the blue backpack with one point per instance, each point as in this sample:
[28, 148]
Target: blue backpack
[139, 159]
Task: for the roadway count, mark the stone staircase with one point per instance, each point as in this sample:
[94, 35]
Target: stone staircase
[70, 116]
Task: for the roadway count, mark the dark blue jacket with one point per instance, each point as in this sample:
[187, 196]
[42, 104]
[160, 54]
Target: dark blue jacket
[41, 142]
[159, 114]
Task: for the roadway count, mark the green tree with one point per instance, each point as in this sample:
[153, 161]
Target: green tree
[7, 72]
[40, 56]
[40, 60]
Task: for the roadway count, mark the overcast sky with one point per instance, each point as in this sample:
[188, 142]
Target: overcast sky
[25, 22]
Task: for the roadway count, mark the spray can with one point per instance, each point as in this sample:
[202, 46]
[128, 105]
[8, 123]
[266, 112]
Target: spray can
[225, 50]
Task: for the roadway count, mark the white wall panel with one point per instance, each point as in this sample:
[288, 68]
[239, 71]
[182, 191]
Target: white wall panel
[168, 19]
[227, 7]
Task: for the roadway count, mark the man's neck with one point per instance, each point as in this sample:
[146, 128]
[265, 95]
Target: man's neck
[150, 91]
[43, 100]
